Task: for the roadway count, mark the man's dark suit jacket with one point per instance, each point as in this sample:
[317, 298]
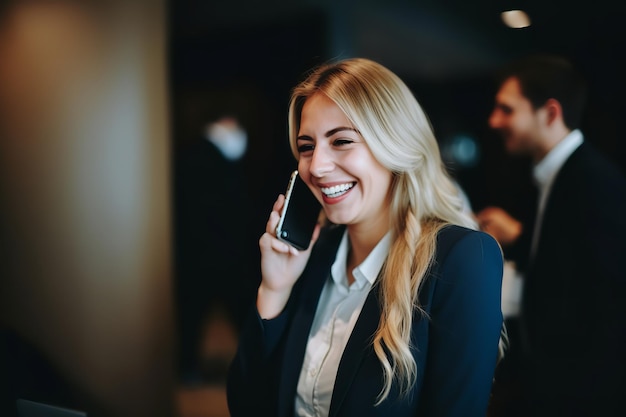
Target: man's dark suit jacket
[214, 245]
[455, 347]
[574, 315]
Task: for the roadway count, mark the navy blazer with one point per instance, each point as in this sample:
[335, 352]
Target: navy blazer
[455, 346]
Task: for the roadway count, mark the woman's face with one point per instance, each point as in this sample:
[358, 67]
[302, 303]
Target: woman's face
[338, 166]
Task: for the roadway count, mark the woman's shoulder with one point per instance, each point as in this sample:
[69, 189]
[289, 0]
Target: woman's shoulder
[467, 261]
[458, 239]
[466, 272]
[454, 231]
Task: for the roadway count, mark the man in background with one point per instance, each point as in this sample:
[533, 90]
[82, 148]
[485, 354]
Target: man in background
[215, 248]
[569, 354]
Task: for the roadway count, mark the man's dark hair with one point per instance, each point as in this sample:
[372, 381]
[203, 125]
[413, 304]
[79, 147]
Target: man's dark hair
[543, 77]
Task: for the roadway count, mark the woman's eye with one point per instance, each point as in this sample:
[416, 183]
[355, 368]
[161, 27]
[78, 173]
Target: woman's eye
[305, 148]
[341, 142]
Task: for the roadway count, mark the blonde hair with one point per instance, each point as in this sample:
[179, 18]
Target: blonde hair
[424, 198]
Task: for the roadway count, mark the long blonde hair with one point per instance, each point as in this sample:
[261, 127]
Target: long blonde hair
[424, 198]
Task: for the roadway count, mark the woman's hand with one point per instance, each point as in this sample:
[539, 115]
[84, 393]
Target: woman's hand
[281, 266]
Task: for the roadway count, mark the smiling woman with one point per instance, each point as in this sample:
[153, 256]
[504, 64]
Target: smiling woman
[339, 167]
[395, 307]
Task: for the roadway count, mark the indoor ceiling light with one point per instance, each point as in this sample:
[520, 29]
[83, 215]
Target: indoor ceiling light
[516, 19]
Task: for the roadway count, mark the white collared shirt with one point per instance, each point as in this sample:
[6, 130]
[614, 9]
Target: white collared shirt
[337, 312]
[545, 172]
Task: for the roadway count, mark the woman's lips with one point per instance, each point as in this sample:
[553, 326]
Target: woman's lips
[336, 193]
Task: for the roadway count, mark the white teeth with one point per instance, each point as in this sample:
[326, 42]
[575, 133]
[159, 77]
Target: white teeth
[337, 190]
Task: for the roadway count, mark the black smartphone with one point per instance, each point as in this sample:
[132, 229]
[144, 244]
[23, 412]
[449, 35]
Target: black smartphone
[299, 214]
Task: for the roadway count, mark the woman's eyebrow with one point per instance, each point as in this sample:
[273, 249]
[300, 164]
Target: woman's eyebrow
[330, 132]
[339, 129]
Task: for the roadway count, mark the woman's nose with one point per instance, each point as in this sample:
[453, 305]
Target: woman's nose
[321, 162]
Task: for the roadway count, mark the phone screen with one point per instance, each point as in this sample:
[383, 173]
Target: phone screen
[299, 214]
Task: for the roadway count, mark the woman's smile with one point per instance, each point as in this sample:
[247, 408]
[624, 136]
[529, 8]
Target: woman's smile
[331, 194]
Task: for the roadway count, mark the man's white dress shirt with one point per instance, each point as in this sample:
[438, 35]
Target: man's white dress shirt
[545, 172]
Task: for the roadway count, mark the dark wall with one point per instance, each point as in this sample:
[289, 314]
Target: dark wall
[246, 69]
[260, 62]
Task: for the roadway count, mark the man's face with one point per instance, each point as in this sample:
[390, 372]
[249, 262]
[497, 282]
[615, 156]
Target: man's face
[515, 119]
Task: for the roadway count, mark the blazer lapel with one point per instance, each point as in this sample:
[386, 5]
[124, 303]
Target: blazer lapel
[358, 345]
[313, 280]
[295, 346]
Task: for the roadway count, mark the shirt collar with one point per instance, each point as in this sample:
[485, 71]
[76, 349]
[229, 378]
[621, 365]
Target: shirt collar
[554, 160]
[368, 270]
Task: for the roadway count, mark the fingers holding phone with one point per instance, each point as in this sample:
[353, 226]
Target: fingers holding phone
[292, 225]
[299, 214]
[290, 233]
[269, 240]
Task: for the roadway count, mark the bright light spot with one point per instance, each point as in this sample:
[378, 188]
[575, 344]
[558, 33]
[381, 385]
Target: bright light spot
[516, 19]
[462, 150]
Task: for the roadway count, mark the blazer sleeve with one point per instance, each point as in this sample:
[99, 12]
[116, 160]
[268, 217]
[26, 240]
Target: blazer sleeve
[466, 319]
[260, 363]
[253, 377]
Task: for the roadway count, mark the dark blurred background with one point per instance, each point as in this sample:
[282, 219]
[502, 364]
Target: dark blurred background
[104, 108]
[445, 50]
